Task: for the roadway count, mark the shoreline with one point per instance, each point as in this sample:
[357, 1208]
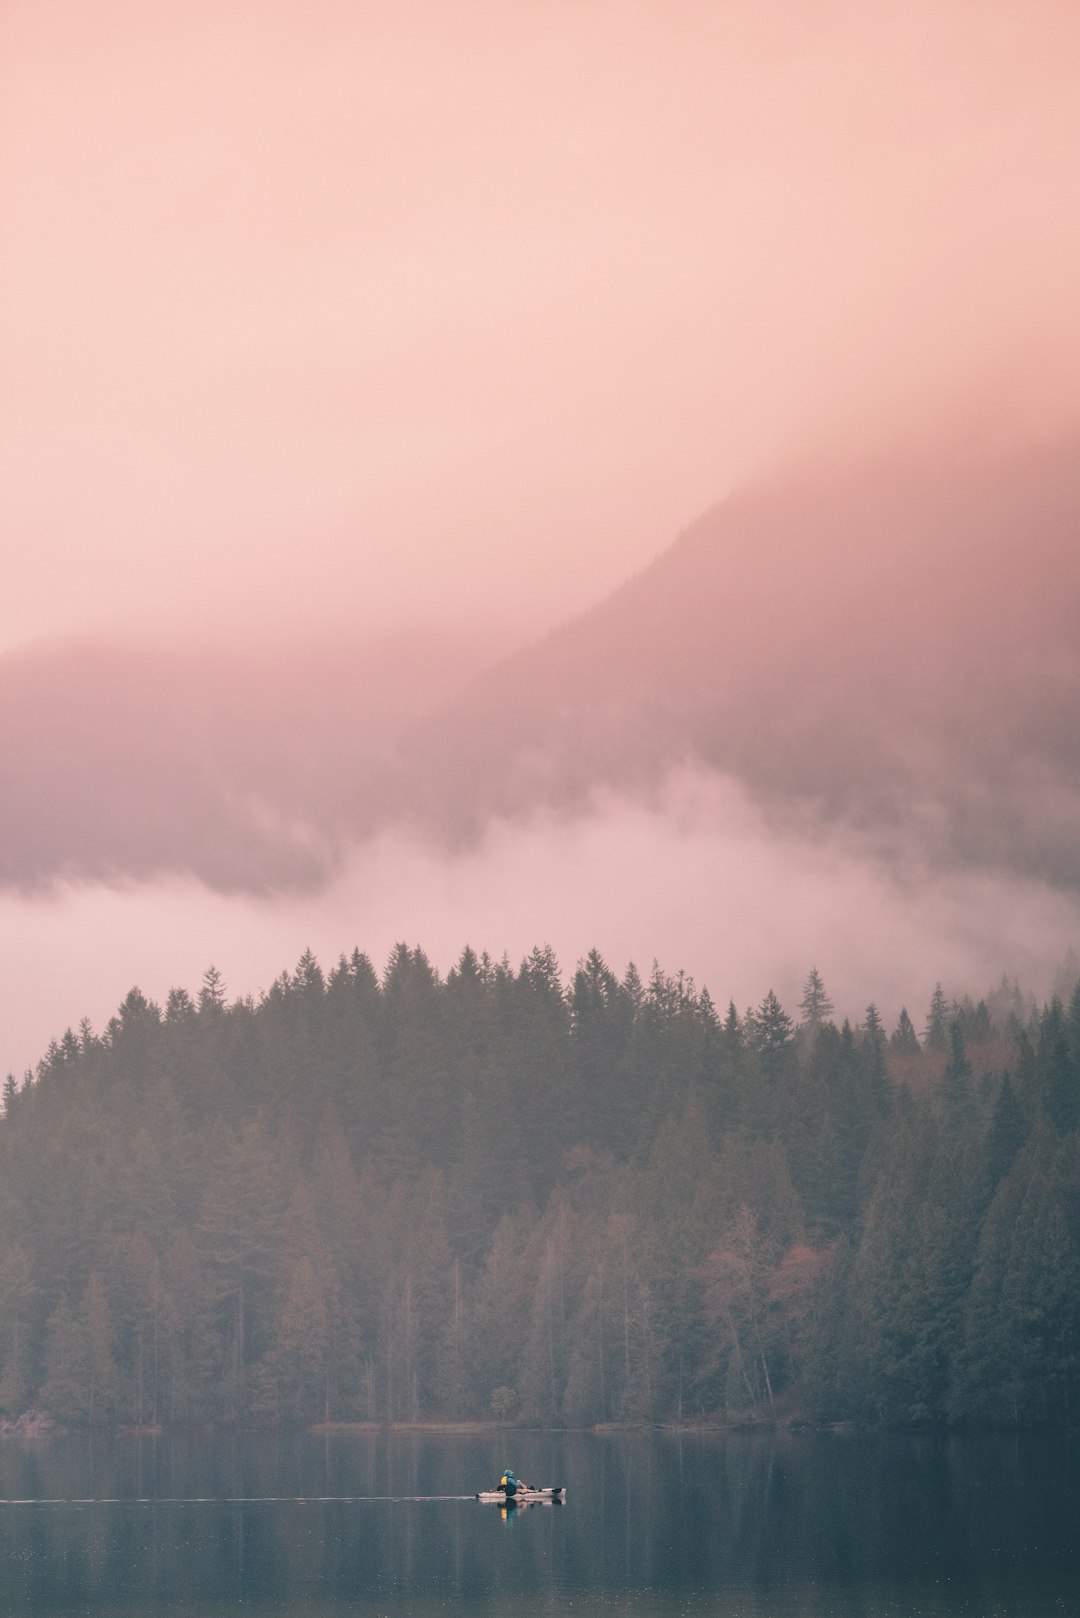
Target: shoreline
[37, 1427]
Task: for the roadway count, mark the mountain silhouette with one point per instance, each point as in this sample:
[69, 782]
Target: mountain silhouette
[893, 650]
[889, 653]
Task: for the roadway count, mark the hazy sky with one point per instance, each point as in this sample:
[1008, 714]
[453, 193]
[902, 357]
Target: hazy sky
[325, 321]
[326, 316]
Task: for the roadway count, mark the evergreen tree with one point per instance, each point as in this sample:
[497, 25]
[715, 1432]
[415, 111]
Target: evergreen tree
[773, 1033]
[987, 1384]
[815, 1004]
[1006, 1134]
[1059, 1071]
[212, 993]
[138, 1314]
[17, 1294]
[873, 1048]
[956, 1083]
[904, 1040]
[237, 1233]
[937, 1021]
[1040, 1292]
[406, 1198]
[67, 1360]
[300, 1353]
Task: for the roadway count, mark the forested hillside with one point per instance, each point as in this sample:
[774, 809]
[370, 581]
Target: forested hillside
[410, 1197]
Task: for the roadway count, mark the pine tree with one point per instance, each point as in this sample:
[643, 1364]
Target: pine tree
[956, 1082]
[17, 1293]
[495, 1189]
[1041, 1287]
[774, 1033]
[138, 1310]
[1006, 1134]
[212, 993]
[904, 1040]
[302, 1338]
[815, 1004]
[937, 1021]
[1059, 1072]
[65, 1390]
[237, 1233]
[872, 1051]
[987, 1384]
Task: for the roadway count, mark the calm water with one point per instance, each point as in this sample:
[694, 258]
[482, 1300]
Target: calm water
[736, 1527]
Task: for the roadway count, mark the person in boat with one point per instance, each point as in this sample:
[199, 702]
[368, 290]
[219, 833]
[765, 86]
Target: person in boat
[509, 1484]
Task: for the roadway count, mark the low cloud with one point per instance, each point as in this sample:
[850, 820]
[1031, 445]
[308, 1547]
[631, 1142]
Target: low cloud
[834, 724]
[699, 879]
[887, 651]
[250, 775]
[886, 656]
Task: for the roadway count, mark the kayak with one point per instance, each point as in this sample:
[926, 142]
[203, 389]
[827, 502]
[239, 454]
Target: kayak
[523, 1497]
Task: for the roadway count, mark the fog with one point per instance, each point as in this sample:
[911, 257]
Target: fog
[699, 881]
[834, 724]
[886, 654]
[122, 764]
[345, 348]
[338, 318]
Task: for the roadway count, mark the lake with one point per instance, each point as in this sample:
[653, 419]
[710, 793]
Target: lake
[734, 1526]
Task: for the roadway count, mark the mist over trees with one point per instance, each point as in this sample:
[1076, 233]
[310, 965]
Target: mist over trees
[396, 1197]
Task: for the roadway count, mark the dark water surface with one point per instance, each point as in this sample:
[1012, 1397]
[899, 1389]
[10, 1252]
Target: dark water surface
[735, 1526]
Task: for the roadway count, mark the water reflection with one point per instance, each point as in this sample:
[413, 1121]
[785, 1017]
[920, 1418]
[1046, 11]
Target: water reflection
[739, 1525]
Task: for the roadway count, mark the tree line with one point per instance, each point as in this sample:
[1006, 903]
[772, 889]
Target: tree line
[399, 1196]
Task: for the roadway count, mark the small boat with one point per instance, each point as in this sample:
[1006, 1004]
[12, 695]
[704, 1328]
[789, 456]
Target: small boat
[523, 1497]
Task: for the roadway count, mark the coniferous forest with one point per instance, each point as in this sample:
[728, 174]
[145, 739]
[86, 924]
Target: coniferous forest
[502, 1195]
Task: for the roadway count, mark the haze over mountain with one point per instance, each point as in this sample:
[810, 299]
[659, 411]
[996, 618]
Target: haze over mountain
[123, 764]
[889, 653]
[344, 350]
[890, 650]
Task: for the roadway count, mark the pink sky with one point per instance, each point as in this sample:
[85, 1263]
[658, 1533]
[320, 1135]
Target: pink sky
[323, 318]
[321, 322]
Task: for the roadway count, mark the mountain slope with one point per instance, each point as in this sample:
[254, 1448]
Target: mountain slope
[892, 652]
[895, 650]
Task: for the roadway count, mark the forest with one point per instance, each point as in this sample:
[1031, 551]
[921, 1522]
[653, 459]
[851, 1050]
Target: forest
[502, 1195]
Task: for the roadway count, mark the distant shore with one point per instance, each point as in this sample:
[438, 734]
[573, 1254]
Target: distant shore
[38, 1424]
